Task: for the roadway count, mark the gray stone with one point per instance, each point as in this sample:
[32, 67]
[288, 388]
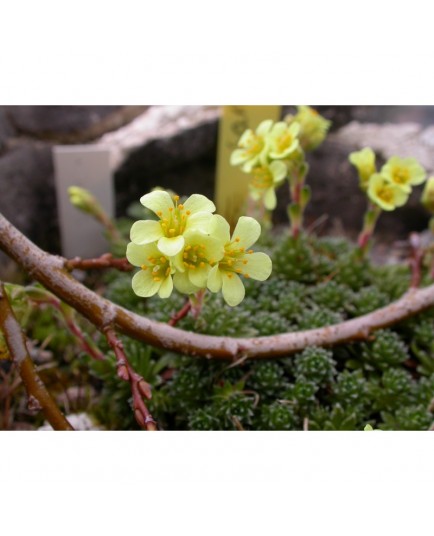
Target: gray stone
[69, 124]
[27, 193]
[6, 130]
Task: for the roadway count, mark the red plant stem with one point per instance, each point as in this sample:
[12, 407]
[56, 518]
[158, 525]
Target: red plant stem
[92, 350]
[180, 314]
[16, 342]
[105, 261]
[415, 260]
[139, 387]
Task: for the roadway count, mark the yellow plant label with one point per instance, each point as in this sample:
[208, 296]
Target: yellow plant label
[231, 183]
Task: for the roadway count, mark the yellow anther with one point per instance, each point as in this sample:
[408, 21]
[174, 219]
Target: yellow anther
[188, 212]
[237, 239]
[168, 271]
[185, 263]
[181, 207]
[246, 275]
[172, 231]
[230, 262]
[159, 213]
[164, 225]
[151, 259]
[176, 197]
[202, 264]
[183, 217]
[187, 248]
[144, 267]
[170, 209]
[157, 279]
[250, 251]
[239, 271]
[245, 261]
[229, 275]
[242, 250]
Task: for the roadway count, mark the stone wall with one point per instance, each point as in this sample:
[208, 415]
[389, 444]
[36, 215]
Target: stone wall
[175, 147]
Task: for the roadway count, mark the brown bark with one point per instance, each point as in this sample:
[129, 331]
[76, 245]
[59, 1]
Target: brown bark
[49, 270]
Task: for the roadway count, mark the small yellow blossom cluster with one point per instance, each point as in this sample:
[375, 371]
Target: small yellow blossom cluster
[269, 152]
[190, 248]
[391, 187]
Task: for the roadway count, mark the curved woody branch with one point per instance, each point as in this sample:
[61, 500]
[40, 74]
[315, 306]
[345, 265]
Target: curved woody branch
[39, 397]
[50, 271]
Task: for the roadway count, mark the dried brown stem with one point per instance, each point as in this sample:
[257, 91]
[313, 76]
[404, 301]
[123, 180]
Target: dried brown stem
[105, 261]
[39, 397]
[49, 271]
[416, 258]
[139, 387]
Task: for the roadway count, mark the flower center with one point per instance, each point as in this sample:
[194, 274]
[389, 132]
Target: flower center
[194, 256]
[262, 178]
[235, 259]
[401, 175]
[284, 142]
[385, 193]
[159, 266]
[254, 146]
[175, 224]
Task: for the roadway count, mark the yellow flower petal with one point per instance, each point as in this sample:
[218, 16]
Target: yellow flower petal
[144, 285]
[171, 246]
[145, 231]
[199, 203]
[258, 266]
[232, 288]
[215, 281]
[183, 284]
[247, 231]
[158, 201]
[166, 287]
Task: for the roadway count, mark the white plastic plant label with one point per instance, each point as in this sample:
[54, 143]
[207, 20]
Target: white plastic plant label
[86, 166]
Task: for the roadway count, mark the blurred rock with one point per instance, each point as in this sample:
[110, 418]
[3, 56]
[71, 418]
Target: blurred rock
[27, 197]
[175, 147]
[6, 130]
[69, 124]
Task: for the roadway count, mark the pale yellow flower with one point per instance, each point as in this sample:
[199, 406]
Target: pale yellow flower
[264, 181]
[364, 162]
[238, 260]
[156, 270]
[283, 139]
[386, 195]
[428, 195]
[175, 220]
[403, 172]
[252, 147]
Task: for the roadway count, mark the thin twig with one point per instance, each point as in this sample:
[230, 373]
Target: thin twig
[139, 387]
[105, 261]
[415, 261]
[180, 314]
[49, 271]
[39, 397]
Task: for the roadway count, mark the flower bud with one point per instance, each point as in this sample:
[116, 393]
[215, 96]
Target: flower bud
[427, 198]
[84, 200]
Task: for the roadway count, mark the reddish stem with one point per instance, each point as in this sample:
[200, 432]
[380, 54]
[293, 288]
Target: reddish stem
[415, 260]
[180, 314]
[139, 387]
[105, 261]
